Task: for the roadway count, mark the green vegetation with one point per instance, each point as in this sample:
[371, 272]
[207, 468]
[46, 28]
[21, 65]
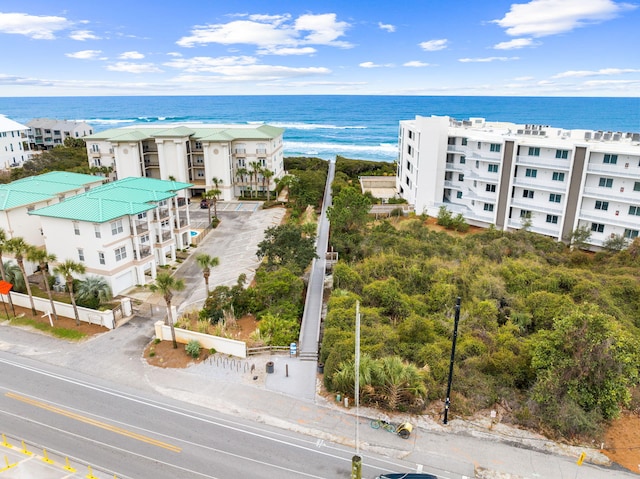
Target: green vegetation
[550, 332]
[193, 348]
[306, 182]
[355, 168]
[63, 333]
[289, 246]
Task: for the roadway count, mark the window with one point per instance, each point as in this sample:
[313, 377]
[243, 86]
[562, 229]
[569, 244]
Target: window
[527, 193]
[80, 254]
[479, 145]
[459, 194]
[409, 150]
[101, 257]
[76, 228]
[198, 145]
[602, 205]
[553, 219]
[557, 176]
[606, 182]
[636, 186]
[534, 151]
[121, 253]
[554, 198]
[597, 227]
[241, 163]
[495, 147]
[464, 142]
[451, 140]
[630, 234]
[611, 159]
[410, 134]
[488, 206]
[116, 227]
[562, 154]
[493, 168]
[144, 238]
[490, 188]
[531, 172]
[142, 216]
[463, 160]
[96, 229]
[449, 158]
[634, 210]
[525, 214]
[460, 177]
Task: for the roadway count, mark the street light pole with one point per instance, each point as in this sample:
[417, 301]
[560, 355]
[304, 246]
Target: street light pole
[356, 461]
[447, 401]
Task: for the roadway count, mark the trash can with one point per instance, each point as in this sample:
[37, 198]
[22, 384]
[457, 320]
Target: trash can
[269, 367]
[320, 368]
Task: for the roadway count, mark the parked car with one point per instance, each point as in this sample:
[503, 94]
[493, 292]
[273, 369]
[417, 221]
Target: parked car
[204, 204]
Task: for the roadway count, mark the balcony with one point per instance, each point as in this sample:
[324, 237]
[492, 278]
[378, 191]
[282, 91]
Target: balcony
[141, 227]
[240, 151]
[261, 151]
[181, 223]
[161, 214]
[164, 236]
[145, 251]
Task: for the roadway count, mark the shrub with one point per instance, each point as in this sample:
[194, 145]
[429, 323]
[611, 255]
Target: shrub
[193, 348]
[157, 341]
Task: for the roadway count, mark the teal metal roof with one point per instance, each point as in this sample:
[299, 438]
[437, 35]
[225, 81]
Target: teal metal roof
[92, 209]
[195, 131]
[110, 201]
[34, 189]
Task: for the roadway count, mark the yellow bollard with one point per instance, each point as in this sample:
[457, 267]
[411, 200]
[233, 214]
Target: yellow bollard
[46, 458]
[90, 475]
[9, 466]
[5, 443]
[67, 466]
[24, 450]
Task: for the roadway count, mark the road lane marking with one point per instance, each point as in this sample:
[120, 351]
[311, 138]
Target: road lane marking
[93, 422]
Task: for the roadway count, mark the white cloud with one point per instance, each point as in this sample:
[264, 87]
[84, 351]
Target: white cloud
[129, 67]
[375, 65]
[272, 32]
[600, 83]
[590, 73]
[174, 54]
[523, 78]
[82, 35]
[487, 59]
[385, 26]
[84, 54]
[415, 63]
[286, 51]
[133, 55]
[33, 26]
[243, 73]
[541, 18]
[515, 44]
[209, 64]
[434, 45]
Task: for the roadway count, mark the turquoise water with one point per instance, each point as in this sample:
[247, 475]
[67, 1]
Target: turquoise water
[364, 127]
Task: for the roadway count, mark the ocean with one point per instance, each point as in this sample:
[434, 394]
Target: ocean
[360, 127]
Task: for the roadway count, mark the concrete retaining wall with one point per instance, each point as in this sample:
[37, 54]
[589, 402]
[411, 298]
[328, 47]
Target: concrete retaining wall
[103, 318]
[207, 341]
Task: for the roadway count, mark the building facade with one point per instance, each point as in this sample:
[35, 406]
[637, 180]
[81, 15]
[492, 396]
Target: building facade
[14, 148]
[122, 231]
[46, 133]
[549, 180]
[194, 153]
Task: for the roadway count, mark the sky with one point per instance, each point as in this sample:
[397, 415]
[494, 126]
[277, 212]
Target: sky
[242, 47]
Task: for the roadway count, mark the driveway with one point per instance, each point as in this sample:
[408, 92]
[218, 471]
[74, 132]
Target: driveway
[234, 242]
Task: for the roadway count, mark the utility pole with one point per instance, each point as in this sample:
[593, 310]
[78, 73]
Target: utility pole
[447, 401]
[356, 461]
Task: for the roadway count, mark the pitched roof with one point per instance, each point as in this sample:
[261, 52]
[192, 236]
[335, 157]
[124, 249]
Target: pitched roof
[196, 131]
[129, 196]
[34, 189]
[7, 124]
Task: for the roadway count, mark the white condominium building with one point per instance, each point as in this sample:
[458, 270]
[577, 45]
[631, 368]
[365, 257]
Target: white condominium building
[194, 153]
[550, 179]
[45, 133]
[14, 149]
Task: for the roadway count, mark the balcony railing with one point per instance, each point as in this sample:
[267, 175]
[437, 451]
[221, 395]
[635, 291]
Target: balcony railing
[145, 251]
[162, 214]
[181, 223]
[142, 227]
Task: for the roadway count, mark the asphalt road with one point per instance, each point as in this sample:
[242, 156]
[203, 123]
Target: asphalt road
[137, 435]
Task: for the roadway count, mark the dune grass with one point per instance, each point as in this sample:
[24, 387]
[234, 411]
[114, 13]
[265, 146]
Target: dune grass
[62, 333]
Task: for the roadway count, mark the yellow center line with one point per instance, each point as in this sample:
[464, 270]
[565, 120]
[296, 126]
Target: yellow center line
[93, 422]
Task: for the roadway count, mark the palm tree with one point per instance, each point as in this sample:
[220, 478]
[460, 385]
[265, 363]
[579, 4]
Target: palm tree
[208, 195]
[14, 275]
[93, 291]
[3, 247]
[266, 181]
[67, 269]
[166, 285]
[207, 262]
[216, 191]
[20, 248]
[397, 382]
[240, 174]
[255, 169]
[41, 257]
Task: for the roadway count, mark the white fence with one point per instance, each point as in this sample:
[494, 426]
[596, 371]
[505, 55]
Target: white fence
[92, 316]
[207, 341]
